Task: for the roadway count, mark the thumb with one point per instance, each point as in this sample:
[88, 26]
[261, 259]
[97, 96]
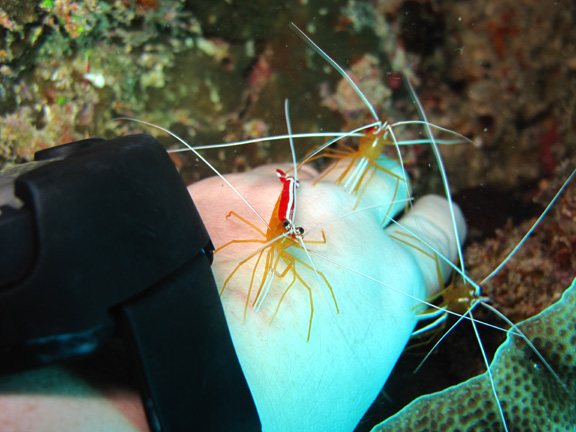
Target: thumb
[428, 233]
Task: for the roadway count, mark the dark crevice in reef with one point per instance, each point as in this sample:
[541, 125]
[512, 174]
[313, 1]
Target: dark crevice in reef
[487, 209]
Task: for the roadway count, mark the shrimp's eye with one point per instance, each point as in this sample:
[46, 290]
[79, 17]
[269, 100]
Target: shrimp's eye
[299, 230]
[286, 224]
[372, 130]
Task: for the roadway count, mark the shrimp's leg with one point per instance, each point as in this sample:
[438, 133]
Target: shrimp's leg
[252, 283]
[241, 263]
[267, 278]
[295, 275]
[247, 222]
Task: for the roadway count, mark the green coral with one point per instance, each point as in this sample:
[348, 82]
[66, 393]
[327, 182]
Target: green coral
[532, 398]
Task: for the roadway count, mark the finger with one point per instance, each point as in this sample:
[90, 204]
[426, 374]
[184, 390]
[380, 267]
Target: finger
[426, 227]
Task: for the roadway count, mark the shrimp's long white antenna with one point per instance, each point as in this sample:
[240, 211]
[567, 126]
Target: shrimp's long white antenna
[343, 135]
[292, 150]
[433, 126]
[299, 236]
[513, 251]
[528, 341]
[363, 209]
[265, 289]
[359, 170]
[489, 371]
[424, 302]
[335, 65]
[490, 376]
[396, 144]
[439, 341]
[338, 136]
[440, 163]
[198, 155]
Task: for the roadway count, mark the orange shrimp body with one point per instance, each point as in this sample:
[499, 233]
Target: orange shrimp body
[372, 144]
[459, 299]
[277, 240]
[454, 299]
[364, 163]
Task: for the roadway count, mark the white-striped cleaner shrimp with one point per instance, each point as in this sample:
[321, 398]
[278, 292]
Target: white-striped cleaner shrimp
[280, 235]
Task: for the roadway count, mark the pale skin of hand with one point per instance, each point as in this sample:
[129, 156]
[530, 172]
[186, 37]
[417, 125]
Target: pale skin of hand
[326, 383]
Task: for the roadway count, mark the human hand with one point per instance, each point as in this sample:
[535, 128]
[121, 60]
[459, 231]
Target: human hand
[330, 380]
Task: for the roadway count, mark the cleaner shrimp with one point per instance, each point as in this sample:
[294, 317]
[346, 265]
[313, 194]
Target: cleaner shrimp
[281, 234]
[369, 158]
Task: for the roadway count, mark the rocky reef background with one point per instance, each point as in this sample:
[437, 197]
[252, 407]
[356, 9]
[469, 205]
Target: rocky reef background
[501, 72]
